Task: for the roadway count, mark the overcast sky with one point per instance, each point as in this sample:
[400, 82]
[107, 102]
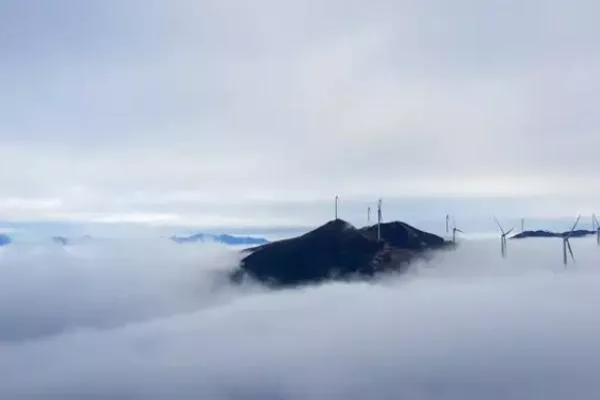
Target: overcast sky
[220, 112]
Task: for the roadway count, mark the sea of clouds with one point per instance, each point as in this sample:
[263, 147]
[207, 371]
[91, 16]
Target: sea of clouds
[150, 319]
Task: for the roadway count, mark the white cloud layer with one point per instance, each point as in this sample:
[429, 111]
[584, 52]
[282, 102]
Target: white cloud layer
[112, 107]
[150, 320]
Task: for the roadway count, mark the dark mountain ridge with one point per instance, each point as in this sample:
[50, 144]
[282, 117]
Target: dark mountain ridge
[336, 250]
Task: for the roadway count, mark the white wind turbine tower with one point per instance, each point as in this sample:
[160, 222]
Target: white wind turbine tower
[503, 235]
[597, 228]
[368, 215]
[336, 206]
[522, 224]
[447, 222]
[454, 230]
[567, 244]
[379, 220]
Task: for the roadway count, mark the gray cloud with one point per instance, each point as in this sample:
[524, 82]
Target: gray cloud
[296, 100]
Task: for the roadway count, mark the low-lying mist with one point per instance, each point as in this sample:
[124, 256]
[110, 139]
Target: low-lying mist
[48, 289]
[155, 320]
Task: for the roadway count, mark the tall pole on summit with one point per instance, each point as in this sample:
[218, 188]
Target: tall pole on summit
[379, 220]
[336, 207]
[368, 215]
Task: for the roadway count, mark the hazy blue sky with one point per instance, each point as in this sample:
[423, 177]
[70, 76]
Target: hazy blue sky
[228, 113]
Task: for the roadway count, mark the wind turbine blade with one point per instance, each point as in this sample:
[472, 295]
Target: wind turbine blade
[595, 220]
[499, 225]
[575, 224]
[570, 250]
[458, 230]
[509, 231]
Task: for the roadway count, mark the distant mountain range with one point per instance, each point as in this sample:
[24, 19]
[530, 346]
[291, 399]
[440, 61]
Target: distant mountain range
[198, 237]
[225, 239]
[64, 241]
[549, 234]
[60, 240]
[5, 239]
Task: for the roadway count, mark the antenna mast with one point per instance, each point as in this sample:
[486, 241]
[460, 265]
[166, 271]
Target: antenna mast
[336, 207]
[379, 220]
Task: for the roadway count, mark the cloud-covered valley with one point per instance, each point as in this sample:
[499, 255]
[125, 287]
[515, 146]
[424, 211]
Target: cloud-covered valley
[144, 319]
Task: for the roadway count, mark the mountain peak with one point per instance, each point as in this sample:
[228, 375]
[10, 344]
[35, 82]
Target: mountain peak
[336, 250]
[333, 227]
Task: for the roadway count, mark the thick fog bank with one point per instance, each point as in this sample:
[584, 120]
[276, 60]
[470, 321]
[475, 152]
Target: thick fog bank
[150, 321]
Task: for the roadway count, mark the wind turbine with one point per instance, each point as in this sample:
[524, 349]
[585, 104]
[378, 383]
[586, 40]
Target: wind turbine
[336, 206]
[597, 226]
[503, 238]
[368, 215]
[567, 244]
[522, 224]
[454, 230]
[447, 222]
[379, 220]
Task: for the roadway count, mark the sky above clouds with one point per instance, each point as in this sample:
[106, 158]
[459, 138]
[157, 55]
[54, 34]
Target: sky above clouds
[231, 113]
